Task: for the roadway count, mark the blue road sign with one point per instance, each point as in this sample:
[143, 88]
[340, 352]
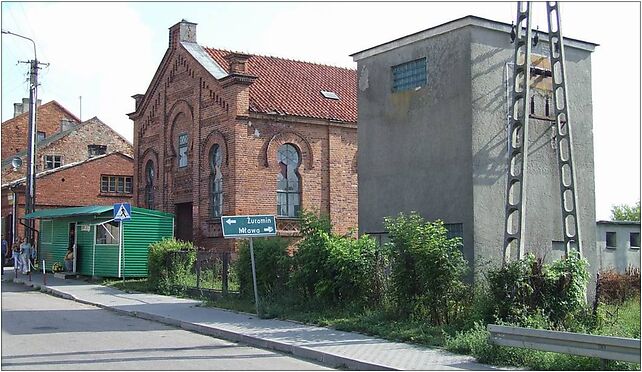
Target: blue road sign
[248, 226]
[122, 212]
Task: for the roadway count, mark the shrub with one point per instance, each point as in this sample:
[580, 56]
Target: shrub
[615, 288]
[272, 263]
[170, 262]
[427, 268]
[336, 270]
[527, 292]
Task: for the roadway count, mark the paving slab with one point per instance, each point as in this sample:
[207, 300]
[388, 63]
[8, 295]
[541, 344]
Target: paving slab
[328, 346]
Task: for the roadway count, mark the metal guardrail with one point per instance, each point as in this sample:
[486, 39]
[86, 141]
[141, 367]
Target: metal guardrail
[603, 347]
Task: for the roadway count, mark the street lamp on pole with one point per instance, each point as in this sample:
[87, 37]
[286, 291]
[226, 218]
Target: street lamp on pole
[30, 190]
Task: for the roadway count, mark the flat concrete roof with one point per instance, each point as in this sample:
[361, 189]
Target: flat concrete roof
[619, 222]
[469, 20]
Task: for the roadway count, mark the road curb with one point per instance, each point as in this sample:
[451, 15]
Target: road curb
[325, 358]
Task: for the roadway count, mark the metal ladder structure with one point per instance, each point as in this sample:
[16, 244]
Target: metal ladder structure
[515, 216]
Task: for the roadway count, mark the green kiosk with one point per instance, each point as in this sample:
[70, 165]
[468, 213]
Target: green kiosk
[108, 241]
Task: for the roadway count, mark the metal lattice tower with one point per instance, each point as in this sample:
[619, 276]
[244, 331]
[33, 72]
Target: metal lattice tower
[515, 216]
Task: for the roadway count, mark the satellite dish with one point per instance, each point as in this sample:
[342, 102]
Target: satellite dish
[16, 162]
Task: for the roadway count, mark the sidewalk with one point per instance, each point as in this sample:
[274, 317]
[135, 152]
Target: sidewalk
[330, 347]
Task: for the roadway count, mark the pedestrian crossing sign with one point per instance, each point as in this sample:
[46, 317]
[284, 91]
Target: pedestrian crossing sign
[122, 212]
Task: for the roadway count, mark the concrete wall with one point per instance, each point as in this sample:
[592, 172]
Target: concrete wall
[492, 57]
[623, 255]
[442, 150]
[414, 146]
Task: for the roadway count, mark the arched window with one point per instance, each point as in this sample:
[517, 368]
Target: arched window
[149, 187]
[288, 185]
[216, 183]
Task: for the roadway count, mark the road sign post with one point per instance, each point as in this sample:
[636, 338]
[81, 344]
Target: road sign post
[256, 292]
[122, 212]
[249, 227]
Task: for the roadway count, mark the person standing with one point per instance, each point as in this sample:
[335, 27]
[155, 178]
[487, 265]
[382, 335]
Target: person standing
[4, 253]
[15, 254]
[25, 256]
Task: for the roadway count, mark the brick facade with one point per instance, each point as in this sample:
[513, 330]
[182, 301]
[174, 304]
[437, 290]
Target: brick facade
[248, 119]
[71, 186]
[77, 181]
[71, 145]
[50, 117]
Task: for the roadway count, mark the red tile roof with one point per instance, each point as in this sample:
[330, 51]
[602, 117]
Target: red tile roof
[294, 88]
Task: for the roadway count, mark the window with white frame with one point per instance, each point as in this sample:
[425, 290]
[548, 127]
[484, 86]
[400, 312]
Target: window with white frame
[53, 161]
[108, 233]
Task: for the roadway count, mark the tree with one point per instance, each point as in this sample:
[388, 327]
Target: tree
[625, 212]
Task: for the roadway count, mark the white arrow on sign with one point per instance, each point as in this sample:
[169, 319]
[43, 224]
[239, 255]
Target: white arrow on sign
[268, 229]
[229, 222]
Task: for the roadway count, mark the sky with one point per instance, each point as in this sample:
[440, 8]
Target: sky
[105, 52]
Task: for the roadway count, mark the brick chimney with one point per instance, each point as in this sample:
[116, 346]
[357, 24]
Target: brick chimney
[237, 62]
[22, 107]
[182, 31]
[138, 98]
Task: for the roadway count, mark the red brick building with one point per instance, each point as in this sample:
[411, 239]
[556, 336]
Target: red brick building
[76, 164]
[224, 133]
[51, 118]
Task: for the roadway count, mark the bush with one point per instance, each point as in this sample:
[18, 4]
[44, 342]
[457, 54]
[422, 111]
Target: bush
[615, 288]
[170, 263]
[272, 263]
[427, 268]
[336, 270]
[529, 293]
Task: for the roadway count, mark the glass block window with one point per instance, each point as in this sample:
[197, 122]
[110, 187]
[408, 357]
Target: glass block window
[410, 75]
[611, 239]
[216, 182]
[182, 150]
[288, 192]
[108, 233]
[116, 184]
[53, 161]
[634, 239]
[41, 136]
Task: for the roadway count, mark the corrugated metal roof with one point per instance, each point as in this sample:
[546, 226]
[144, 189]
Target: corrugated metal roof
[68, 212]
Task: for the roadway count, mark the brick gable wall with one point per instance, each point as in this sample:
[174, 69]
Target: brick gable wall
[73, 148]
[218, 114]
[14, 131]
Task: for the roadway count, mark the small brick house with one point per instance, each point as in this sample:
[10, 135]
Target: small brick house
[71, 163]
[225, 133]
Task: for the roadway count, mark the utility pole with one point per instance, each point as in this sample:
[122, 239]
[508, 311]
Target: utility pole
[30, 190]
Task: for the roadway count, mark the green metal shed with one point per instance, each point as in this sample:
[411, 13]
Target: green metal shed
[102, 248]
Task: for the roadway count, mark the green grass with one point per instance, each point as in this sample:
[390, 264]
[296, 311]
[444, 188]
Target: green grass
[621, 320]
[617, 320]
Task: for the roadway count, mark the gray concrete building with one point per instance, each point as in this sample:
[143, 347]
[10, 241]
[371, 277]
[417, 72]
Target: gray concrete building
[433, 120]
[618, 245]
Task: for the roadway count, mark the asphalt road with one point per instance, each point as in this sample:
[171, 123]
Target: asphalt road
[43, 332]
